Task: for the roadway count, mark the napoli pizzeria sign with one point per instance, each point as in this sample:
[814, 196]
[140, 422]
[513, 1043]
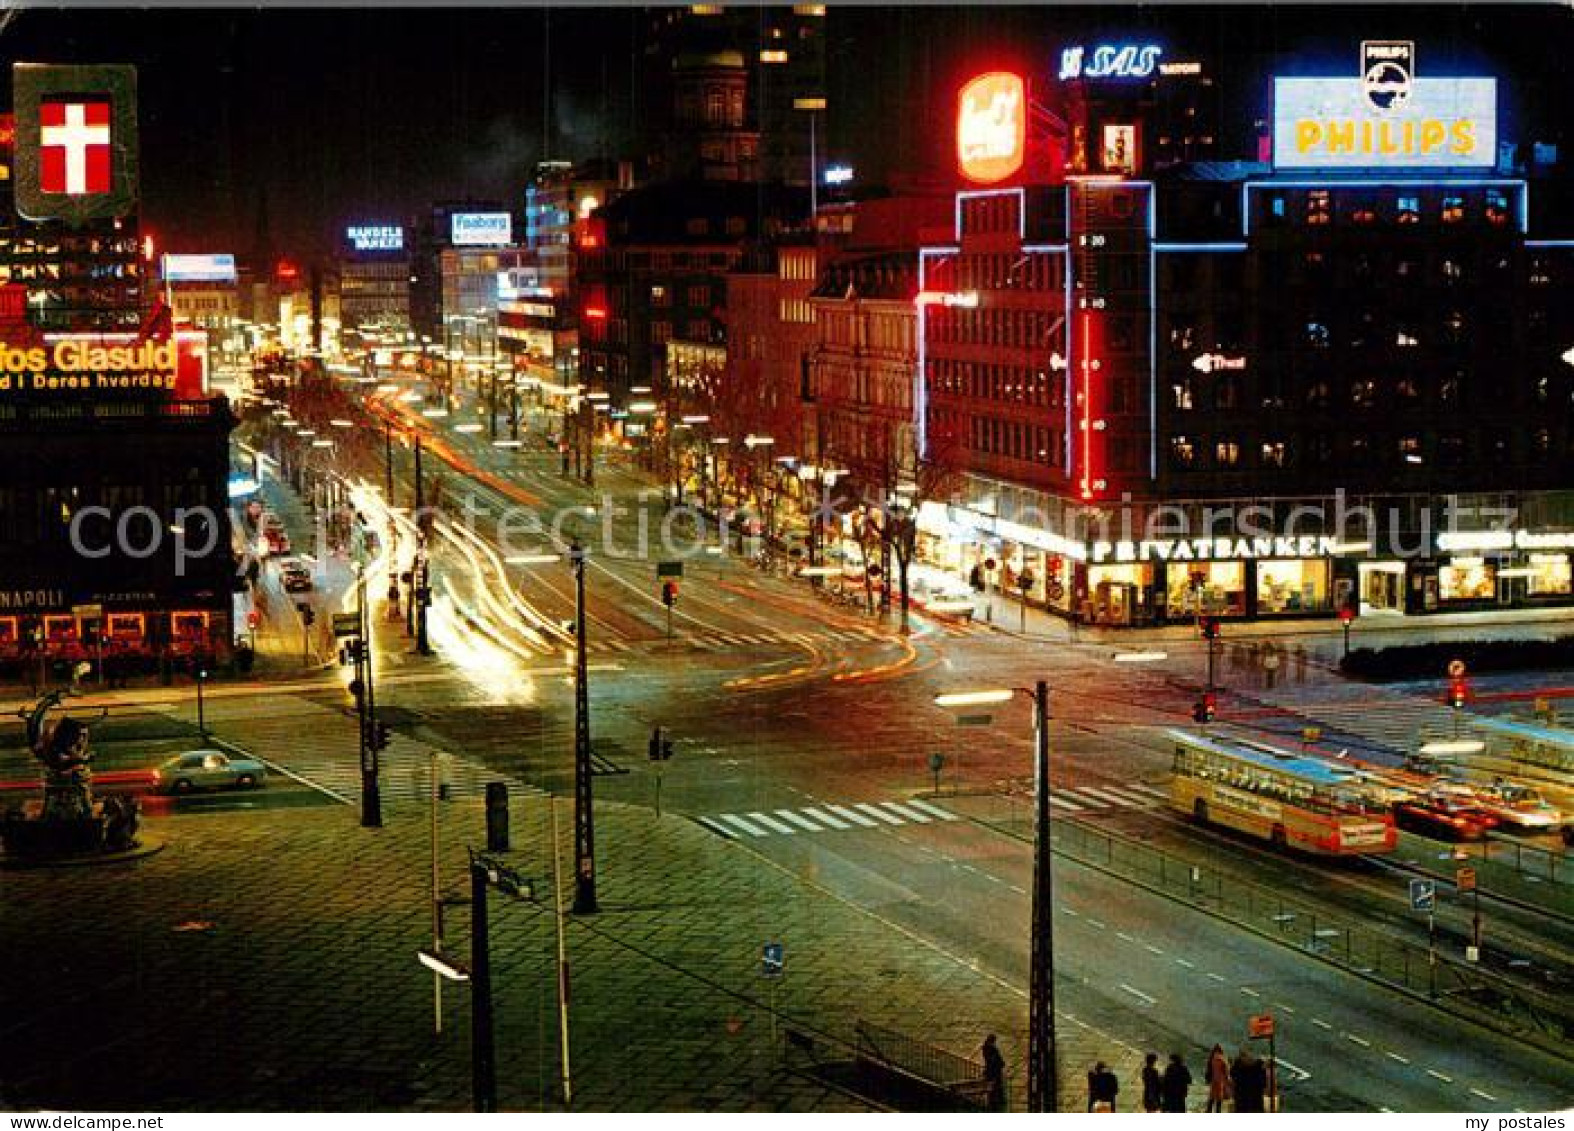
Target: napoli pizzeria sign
[1214, 549]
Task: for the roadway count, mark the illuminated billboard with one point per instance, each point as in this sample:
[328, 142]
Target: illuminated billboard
[375, 237]
[199, 268]
[991, 127]
[1385, 117]
[481, 229]
[97, 364]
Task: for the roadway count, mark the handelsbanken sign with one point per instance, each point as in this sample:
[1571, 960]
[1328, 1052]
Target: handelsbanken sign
[76, 141]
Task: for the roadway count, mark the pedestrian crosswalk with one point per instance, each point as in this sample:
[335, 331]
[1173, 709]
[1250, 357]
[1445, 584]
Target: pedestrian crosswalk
[855, 816]
[1396, 724]
[319, 748]
[724, 641]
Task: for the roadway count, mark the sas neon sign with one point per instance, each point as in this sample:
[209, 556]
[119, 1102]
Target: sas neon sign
[991, 127]
[1110, 61]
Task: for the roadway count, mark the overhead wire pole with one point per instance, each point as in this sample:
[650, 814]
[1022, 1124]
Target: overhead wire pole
[371, 791]
[584, 820]
[1041, 1068]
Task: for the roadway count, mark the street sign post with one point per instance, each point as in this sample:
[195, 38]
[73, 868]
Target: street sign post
[1260, 1027]
[346, 624]
[772, 962]
[936, 764]
[669, 569]
[1423, 897]
[1465, 881]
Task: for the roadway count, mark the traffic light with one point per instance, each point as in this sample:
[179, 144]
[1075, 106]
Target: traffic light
[655, 745]
[1209, 627]
[1457, 693]
[380, 736]
[1346, 614]
[357, 689]
[1205, 708]
[669, 593]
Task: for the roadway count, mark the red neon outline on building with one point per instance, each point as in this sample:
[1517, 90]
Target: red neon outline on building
[1087, 404]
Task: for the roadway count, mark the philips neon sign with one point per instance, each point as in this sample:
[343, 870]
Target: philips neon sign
[1385, 117]
[1110, 61]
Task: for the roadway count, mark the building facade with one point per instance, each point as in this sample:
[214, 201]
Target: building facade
[1251, 389]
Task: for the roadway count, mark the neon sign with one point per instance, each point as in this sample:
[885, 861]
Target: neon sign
[1385, 117]
[1110, 61]
[991, 127]
[375, 237]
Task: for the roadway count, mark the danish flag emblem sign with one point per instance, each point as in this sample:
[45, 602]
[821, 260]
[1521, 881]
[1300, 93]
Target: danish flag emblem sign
[76, 142]
[73, 147]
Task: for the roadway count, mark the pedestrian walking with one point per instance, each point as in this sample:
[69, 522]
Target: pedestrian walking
[994, 1073]
[1152, 1083]
[1103, 1087]
[1270, 664]
[1217, 1076]
[1174, 1085]
[1249, 1077]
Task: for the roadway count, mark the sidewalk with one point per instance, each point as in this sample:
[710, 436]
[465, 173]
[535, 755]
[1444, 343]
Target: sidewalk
[266, 961]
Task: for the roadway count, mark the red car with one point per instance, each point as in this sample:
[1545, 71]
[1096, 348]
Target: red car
[1443, 817]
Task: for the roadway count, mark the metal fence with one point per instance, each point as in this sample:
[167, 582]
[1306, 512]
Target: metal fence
[1452, 984]
[1528, 859]
[915, 1057]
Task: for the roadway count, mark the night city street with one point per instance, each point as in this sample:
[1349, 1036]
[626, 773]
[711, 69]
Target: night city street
[787, 559]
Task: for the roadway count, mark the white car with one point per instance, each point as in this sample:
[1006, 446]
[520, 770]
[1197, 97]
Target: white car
[207, 769]
[1519, 807]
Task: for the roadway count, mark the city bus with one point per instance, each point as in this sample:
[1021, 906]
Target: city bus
[1289, 800]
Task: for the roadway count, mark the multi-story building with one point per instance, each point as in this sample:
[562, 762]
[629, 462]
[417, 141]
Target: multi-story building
[1261, 390]
[106, 419]
[736, 93]
[654, 269]
[374, 281]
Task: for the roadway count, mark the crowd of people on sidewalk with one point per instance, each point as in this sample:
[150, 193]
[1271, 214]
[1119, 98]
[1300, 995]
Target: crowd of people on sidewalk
[1243, 1083]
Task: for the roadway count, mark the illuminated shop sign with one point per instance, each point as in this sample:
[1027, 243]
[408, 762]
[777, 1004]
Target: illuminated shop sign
[838, 174]
[1110, 61]
[107, 363]
[199, 268]
[991, 127]
[1385, 117]
[1505, 540]
[1215, 549]
[481, 229]
[375, 237]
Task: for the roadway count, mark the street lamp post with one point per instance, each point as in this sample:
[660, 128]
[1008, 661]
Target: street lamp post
[1041, 1061]
[584, 819]
[366, 702]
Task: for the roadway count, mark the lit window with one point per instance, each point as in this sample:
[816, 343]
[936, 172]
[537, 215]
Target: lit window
[1319, 208]
[773, 56]
[1409, 210]
[1273, 453]
[1497, 207]
[1453, 209]
[1183, 453]
[1226, 453]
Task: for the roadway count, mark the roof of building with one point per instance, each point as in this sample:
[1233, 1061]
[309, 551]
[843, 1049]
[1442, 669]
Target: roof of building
[661, 212]
[888, 275]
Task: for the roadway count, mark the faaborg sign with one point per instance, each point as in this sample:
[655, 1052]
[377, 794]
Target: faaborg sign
[481, 229]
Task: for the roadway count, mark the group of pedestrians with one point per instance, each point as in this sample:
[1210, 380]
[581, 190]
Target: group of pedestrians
[1269, 662]
[1242, 1083]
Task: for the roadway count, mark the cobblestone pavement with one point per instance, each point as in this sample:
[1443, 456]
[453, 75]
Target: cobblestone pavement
[267, 961]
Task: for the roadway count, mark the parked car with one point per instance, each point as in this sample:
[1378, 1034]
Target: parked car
[207, 769]
[1519, 808]
[1444, 816]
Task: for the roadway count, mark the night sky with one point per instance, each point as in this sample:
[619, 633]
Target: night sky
[358, 114]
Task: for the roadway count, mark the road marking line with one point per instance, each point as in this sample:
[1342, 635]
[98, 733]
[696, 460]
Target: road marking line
[874, 811]
[1439, 1076]
[798, 819]
[1249, 992]
[1400, 1059]
[1073, 912]
[1124, 937]
[827, 818]
[1110, 796]
[1188, 965]
[1138, 994]
[910, 814]
[1083, 801]
[933, 810]
[716, 827]
[1150, 791]
[771, 823]
[1488, 1096]
[992, 878]
[1355, 1040]
[1321, 1024]
[1300, 1073]
[1068, 806]
[856, 818]
[1285, 1008]
[1096, 923]
[1217, 977]
[1128, 800]
[731, 819]
[1151, 949]
[1019, 891]
[969, 868]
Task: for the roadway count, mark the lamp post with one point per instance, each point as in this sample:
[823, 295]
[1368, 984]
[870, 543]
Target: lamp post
[371, 734]
[584, 819]
[1041, 1066]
